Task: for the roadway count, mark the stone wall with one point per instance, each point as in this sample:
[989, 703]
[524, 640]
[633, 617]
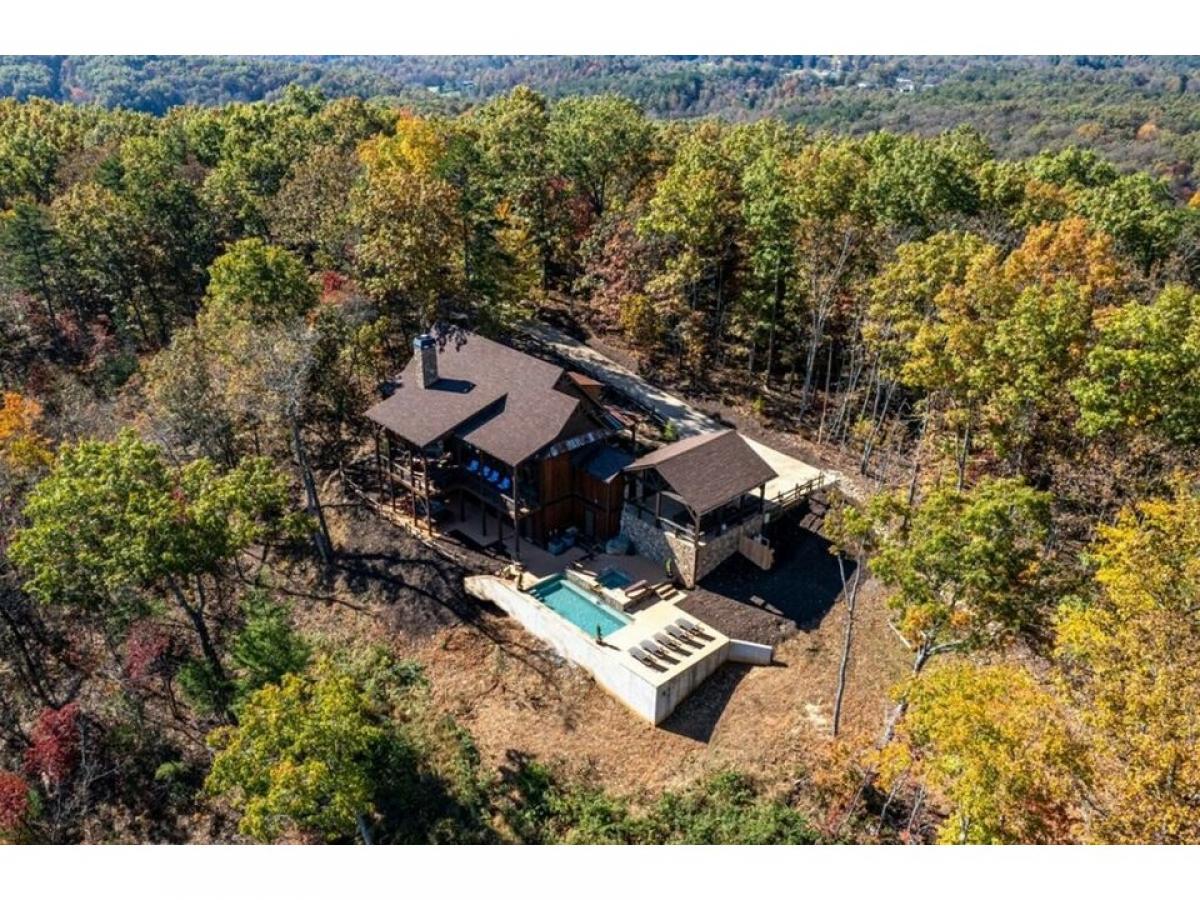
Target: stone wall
[652, 542]
[691, 562]
[719, 548]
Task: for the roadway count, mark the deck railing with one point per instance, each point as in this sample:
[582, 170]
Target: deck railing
[795, 494]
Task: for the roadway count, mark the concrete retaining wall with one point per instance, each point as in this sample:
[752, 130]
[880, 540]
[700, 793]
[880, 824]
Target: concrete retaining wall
[571, 644]
[750, 652]
[604, 663]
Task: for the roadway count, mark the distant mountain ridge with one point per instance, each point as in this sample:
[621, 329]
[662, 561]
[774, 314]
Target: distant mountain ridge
[1022, 104]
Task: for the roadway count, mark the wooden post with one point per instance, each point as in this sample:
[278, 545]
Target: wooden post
[391, 471]
[762, 498]
[425, 479]
[516, 517]
[378, 464]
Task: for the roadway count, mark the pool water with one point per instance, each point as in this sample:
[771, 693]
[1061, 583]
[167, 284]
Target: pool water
[575, 605]
[614, 579]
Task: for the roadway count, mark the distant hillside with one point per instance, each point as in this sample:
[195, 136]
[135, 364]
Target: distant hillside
[1140, 111]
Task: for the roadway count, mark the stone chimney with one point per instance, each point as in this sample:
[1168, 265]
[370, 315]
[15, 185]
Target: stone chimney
[425, 348]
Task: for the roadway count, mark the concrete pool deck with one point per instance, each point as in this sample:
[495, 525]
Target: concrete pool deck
[651, 692]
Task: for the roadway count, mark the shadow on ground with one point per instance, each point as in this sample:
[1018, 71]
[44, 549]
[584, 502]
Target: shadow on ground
[747, 603]
[698, 715]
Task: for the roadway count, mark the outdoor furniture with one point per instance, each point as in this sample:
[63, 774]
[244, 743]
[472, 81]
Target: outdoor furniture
[644, 658]
[505, 484]
[473, 466]
[692, 628]
[635, 590]
[676, 632]
[669, 643]
[650, 647]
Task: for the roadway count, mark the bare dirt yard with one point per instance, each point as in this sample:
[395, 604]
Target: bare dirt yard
[517, 697]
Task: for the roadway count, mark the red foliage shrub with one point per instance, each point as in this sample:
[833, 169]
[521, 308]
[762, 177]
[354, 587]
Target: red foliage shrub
[332, 283]
[14, 802]
[54, 752]
[148, 650]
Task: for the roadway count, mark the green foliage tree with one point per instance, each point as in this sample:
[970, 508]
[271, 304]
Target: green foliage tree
[603, 145]
[1143, 372]
[303, 758]
[259, 284]
[410, 249]
[1140, 214]
[694, 210]
[266, 647]
[964, 567]
[113, 528]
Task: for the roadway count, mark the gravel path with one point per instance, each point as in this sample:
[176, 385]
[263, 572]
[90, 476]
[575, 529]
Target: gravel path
[688, 419]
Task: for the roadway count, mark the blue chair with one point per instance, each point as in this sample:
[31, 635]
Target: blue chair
[505, 484]
[473, 466]
[493, 476]
[487, 472]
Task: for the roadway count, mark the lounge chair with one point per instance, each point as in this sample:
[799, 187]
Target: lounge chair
[504, 484]
[473, 466]
[651, 647]
[635, 590]
[670, 643]
[644, 658]
[692, 628]
[679, 634]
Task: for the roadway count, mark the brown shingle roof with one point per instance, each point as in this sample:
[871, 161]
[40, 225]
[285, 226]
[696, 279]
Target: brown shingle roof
[496, 398]
[708, 470]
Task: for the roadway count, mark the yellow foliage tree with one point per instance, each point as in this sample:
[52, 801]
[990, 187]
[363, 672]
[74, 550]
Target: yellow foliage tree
[22, 447]
[1131, 655]
[992, 745]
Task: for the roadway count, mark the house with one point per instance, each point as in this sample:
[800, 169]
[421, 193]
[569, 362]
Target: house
[484, 433]
[693, 503]
[493, 442]
[509, 451]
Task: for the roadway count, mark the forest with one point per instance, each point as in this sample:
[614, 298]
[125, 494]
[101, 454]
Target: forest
[198, 303]
[1140, 111]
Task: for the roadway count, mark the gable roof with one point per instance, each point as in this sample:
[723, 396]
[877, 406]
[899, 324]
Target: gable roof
[708, 470]
[497, 399]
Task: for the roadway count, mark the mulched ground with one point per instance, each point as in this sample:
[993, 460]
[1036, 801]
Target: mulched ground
[517, 697]
[796, 594]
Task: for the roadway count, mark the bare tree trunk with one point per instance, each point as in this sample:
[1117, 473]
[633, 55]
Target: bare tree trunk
[825, 393]
[965, 453]
[851, 599]
[775, 305]
[321, 537]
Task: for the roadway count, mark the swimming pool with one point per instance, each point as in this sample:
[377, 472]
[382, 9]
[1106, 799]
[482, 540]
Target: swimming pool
[576, 605]
[614, 578]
